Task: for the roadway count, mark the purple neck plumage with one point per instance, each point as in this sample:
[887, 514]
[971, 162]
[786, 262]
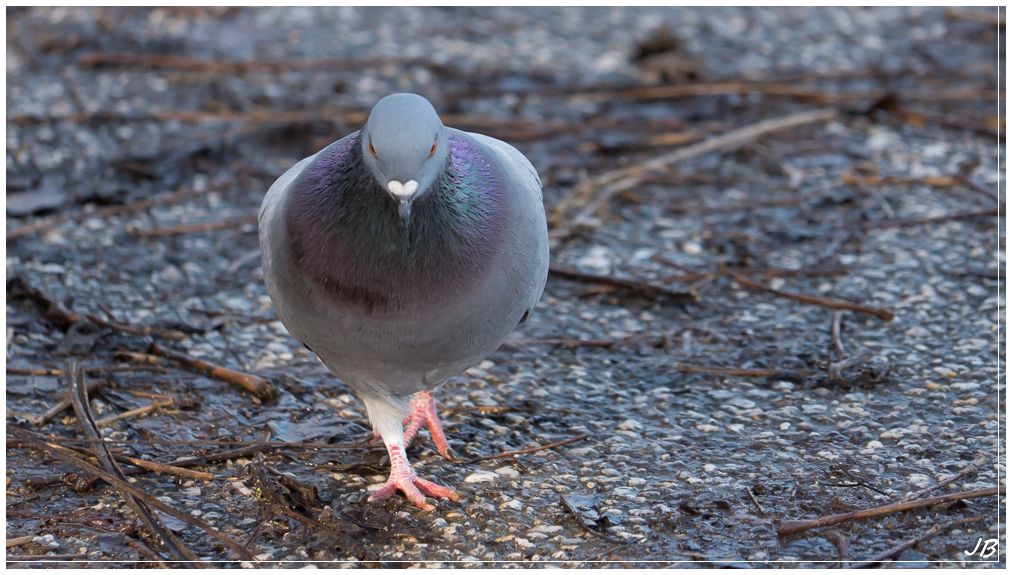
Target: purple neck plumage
[345, 232]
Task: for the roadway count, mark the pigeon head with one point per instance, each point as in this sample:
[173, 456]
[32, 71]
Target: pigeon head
[405, 147]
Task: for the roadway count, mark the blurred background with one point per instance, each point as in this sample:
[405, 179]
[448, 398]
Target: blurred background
[109, 104]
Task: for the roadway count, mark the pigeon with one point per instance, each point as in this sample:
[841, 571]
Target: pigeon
[402, 255]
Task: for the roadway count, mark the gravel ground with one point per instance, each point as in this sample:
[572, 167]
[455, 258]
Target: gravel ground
[704, 466]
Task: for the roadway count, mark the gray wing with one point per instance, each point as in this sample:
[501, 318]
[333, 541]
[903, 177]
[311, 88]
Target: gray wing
[514, 162]
[527, 181]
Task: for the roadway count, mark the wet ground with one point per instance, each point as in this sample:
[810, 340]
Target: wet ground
[892, 205]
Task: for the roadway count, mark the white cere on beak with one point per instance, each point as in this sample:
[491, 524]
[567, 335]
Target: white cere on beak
[402, 190]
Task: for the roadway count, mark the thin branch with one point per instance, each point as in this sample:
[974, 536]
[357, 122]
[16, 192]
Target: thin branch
[132, 413]
[70, 457]
[161, 200]
[741, 372]
[835, 333]
[52, 310]
[930, 533]
[583, 523]
[58, 440]
[532, 449]
[157, 528]
[994, 212]
[20, 540]
[639, 288]
[195, 228]
[610, 183]
[962, 473]
[152, 466]
[754, 500]
[258, 385]
[59, 408]
[826, 302]
[784, 90]
[146, 330]
[790, 527]
[162, 62]
[88, 370]
[991, 18]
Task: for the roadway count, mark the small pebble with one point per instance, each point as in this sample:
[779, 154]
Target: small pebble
[630, 425]
[508, 472]
[514, 504]
[481, 477]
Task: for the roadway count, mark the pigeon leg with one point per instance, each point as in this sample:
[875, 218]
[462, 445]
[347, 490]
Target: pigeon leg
[402, 476]
[423, 412]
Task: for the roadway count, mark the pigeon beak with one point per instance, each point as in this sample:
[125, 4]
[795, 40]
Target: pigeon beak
[404, 194]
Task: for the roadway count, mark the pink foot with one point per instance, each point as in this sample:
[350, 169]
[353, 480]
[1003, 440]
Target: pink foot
[403, 477]
[423, 412]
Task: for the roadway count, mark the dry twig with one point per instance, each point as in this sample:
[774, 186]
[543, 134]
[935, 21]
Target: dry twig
[583, 523]
[195, 228]
[930, 533]
[132, 413]
[531, 449]
[994, 212]
[61, 440]
[20, 540]
[785, 90]
[163, 200]
[790, 527]
[258, 385]
[835, 334]
[66, 403]
[146, 330]
[754, 500]
[87, 370]
[610, 183]
[177, 467]
[741, 372]
[157, 528]
[641, 289]
[976, 463]
[994, 19]
[55, 558]
[52, 310]
[832, 303]
[160, 61]
[70, 457]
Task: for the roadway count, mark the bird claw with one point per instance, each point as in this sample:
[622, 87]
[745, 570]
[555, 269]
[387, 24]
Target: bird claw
[413, 488]
[423, 412]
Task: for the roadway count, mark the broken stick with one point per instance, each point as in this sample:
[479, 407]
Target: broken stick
[258, 385]
[741, 372]
[642, 289]
[930, 533]
[790, 527]
[610, 183]
[826, 302]
[532, 449]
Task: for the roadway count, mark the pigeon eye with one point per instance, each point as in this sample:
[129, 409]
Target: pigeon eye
[433, 150]
[372, 150]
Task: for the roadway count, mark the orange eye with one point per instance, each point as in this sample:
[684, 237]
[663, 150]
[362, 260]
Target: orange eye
[372, 150]
[433, 150]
